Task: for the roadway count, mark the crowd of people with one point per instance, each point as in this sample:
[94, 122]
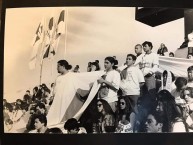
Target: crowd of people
[132, 98]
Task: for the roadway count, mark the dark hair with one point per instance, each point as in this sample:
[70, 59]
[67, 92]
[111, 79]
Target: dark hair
[41, 106]
[52, 84]
[171, 53]
[97, 61]
[133, 56]
[180, 82]
[170, 109]
[158, 117]
[71, 123]
[54, 130]
[96, 64]
[107, 108]
[166, 73]
[148, 43]
[190, 68]
[112, 60]
[65, 64]
[190, 89]
[35, 88]
[9, 107]
[8, 121]
[126, 111]
[42, 118]
[28, 91]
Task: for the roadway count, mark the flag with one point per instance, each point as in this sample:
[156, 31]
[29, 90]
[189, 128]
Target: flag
[53, 35]
[60, 26]
[37, 40]
[50, 32]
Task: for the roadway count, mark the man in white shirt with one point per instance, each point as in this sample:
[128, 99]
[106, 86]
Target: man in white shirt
[131, 81]
[190, 76]
[149, 63]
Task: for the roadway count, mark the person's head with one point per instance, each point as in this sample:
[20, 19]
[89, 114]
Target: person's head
[189, 56]
[40, 121]
[138, 49]
[154, 122]
[180, 83]
[40, 108]
[4, 102]
[54, 130]
[147, 46]
[27, 92]
[110, 63]
[72, 126]
[163, 97]
[123, 104]
[52, 85]
[171, 54]
[35, 90]
[32, 110]
[9, 123]
[103, 91]
[165, 75]
[130, 60]
[167, 108]
[190, 73]
[103, 107]
[95, 66]
[162, 45]
[63, 66]
[187, 94]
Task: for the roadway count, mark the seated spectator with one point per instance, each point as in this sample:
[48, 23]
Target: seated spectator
[76, 69]
[30, 124]
[122, 116]
[171, 54]
[40, 124]
[154, 122]
[95, 66]
[187, 95]
[41, 109]
[169, 110]
[105, 121]
[190, 76]
[73, 127]
[180, 85]
[8, 126]
[54, 130]
[163, 49]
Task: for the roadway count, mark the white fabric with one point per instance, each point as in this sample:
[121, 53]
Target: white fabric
[114, 78]
[148, 63]
[177, 97]
[64, 92]
[190, 84]
[178, 66]
[179, 127]
[190, 38]
[130, 85]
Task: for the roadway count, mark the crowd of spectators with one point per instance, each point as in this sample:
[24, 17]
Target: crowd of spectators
[130, 100]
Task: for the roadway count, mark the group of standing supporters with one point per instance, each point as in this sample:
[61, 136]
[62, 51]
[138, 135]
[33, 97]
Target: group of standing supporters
[132, 98]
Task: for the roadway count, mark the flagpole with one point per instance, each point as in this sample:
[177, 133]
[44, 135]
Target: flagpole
[41, 68]
[66, 26]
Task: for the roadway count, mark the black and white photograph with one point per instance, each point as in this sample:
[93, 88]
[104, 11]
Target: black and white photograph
[98, 70]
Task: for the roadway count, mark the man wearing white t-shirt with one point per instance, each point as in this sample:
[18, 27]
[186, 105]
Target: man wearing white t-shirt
[190, 76]
[131, 81]
[149, 63]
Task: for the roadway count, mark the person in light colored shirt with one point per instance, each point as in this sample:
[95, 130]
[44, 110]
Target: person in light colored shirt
[149, 63]
[132, 80]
